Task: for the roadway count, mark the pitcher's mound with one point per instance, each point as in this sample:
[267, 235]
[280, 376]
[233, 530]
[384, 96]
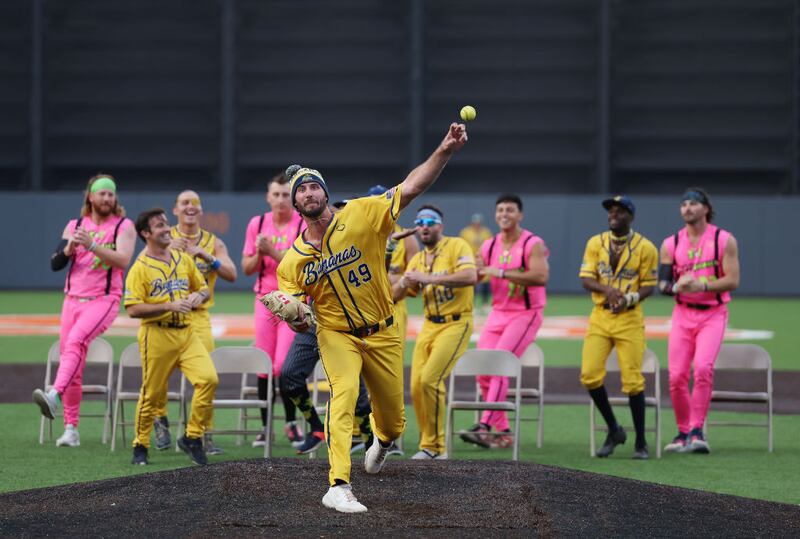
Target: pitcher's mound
[282, 497]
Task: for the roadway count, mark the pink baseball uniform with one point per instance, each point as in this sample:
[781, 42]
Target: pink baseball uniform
[698, 325]
[91, 303]
[515, 318]
[272, 336]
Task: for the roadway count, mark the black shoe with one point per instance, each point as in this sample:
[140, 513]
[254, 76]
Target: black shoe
[478, 435]
[163, 438]
[641, 453]
[139, 455]
[194, 448]
[612, 440]
[311, 442]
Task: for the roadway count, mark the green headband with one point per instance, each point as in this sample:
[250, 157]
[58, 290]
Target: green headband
[103, 183]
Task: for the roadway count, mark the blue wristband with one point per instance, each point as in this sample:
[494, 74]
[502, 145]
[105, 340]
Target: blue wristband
[215, 265]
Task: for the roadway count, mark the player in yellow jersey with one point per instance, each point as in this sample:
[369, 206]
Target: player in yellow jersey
[476, 234]
[339, 262]
[444, 272]
[162, 288]
[399, 252]
[210, 255]
[620, 270]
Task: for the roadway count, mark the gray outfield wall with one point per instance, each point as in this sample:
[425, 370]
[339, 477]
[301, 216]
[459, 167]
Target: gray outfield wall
[766, 228]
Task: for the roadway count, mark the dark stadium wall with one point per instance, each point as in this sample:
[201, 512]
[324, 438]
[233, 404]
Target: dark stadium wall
[766, 228]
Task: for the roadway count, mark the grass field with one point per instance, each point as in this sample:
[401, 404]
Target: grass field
[739, 465]
[781, 316]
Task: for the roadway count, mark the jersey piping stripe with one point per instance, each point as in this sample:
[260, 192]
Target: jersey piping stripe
[439, 384]
[145, 377]
[339, 272]
[391, 206]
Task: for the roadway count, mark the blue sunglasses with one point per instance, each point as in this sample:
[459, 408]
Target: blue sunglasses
[427, 222]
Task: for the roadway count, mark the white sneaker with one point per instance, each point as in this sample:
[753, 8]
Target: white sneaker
[427, 454]
[375, 457]
[341, 498]
[70, 438]
[48, 402]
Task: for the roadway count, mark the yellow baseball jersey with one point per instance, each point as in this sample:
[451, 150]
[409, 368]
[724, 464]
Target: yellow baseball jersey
[449, 256]
[151, 280]
[206, 241]
[347, 279]
[637, 266]
[475, 239]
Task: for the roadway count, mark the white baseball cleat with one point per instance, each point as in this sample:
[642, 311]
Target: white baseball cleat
[70, 438]
[48, 402]
[341, 498]
[376, 456]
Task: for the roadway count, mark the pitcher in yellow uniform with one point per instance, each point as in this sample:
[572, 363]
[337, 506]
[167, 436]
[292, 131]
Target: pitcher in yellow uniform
[445, 274]
[339, 262]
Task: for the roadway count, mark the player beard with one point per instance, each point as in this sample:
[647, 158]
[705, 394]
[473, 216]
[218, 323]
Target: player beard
[312, 214]
[103, 210]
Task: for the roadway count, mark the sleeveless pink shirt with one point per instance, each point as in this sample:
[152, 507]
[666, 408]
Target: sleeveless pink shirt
[507, 296]
[703, 261]
[266, 280]
[87, 275]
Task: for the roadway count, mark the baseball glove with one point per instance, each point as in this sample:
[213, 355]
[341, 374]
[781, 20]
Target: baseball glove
[291, 310]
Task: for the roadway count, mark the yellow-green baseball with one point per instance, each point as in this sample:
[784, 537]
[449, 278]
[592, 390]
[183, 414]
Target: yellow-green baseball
[468, 113]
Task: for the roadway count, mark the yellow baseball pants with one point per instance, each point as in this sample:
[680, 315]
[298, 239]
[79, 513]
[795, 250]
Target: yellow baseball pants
[201, 325]
[437, 350]
[163, 350]
[379, 359]
[625, 331]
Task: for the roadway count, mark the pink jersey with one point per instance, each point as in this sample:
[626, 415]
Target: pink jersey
[703, 261]
[506, 295]
[87, 275]
[280, 238]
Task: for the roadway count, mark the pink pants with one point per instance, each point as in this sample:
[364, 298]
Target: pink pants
[272, 336]
[81, 323]
[696, 336]
[505, 330]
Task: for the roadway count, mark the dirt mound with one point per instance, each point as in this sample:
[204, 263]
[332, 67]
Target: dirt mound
[281, 497]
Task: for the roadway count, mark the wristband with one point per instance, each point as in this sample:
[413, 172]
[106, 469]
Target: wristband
[216, 264]
[93, 246]
[502, 273]
[631, 299]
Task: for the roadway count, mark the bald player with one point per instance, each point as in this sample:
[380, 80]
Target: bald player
[445, 274]
[210, 255]
[339, 261]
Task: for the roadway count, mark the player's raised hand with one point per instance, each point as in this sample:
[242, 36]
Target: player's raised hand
[455, 138]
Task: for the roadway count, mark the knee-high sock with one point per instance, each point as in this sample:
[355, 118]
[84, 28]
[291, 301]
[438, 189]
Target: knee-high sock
[304, 404]
[288, 407]
[600, 398]
[636, 403]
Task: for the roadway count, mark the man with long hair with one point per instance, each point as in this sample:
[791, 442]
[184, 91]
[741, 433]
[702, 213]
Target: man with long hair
[700, 267]
[97, 247]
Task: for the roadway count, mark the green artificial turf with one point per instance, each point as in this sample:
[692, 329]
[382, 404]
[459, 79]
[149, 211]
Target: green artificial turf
[779, 315]
[739, 463]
